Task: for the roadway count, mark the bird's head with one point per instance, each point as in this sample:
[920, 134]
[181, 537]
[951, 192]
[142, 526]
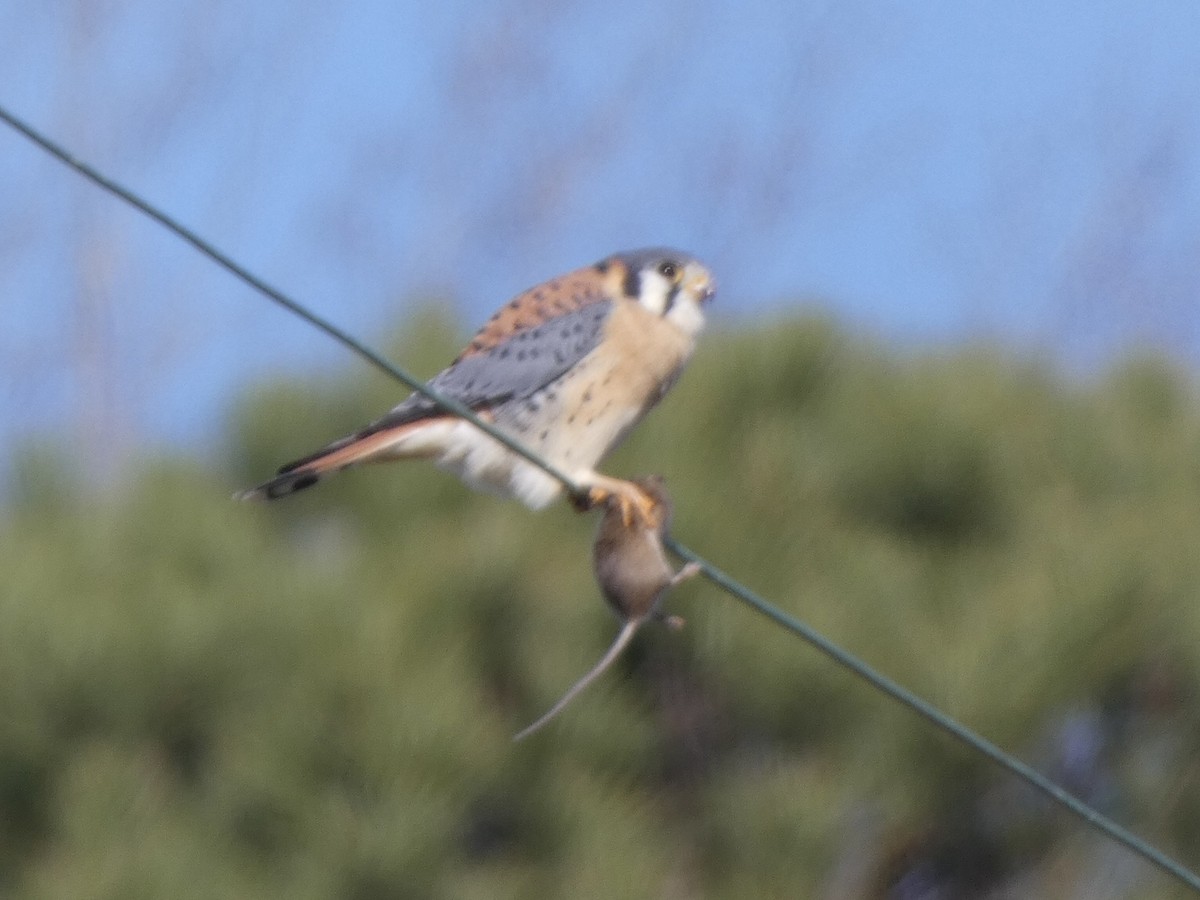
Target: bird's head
[668, 283]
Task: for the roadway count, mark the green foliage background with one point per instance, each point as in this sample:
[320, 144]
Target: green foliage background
[315, 698]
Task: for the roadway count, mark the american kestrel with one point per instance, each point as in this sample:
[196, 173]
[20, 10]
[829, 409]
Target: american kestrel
[567, 368]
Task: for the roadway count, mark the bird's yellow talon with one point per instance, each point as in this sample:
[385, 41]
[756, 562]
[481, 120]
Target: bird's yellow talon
[638, 508]
[627, 507]
[648, 511]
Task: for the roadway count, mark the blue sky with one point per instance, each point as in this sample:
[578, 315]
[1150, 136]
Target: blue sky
[924, 172]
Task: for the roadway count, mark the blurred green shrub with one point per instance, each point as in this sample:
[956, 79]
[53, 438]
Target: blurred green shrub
[315, 698]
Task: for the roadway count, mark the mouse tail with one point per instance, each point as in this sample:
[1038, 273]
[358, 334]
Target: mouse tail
[620, 642]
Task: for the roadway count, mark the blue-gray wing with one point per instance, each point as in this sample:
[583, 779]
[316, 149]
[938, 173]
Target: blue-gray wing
[528, 360]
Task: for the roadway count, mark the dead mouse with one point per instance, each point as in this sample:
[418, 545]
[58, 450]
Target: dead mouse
[634, 574]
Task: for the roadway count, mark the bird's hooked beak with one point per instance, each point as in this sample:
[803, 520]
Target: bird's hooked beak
[700, 283]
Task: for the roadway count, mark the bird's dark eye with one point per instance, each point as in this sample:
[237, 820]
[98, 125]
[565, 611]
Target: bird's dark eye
[668, 269]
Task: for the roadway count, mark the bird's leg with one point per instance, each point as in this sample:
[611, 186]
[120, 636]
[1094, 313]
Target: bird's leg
[632, 499]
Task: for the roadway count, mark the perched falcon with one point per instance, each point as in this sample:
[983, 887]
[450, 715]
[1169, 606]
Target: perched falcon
[567, 368]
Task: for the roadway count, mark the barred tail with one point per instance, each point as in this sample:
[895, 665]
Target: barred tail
[365, 446]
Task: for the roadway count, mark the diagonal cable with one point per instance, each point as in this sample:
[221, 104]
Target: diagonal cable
[1091, 816]
[924, 708]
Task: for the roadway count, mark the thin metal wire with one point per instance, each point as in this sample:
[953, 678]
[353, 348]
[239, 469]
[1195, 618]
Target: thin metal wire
[1091, 816]
[940, 719]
